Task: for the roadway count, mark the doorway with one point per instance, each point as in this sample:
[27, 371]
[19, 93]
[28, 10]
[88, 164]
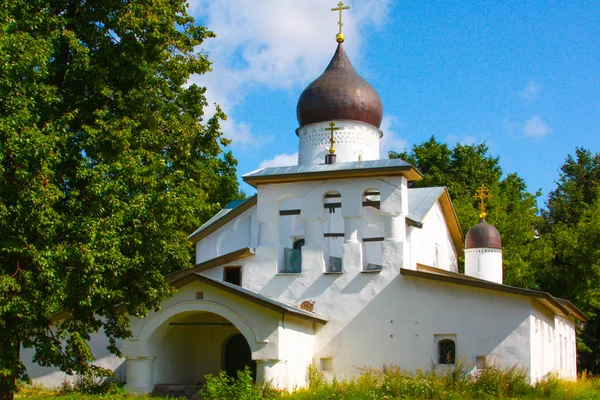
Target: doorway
[238, 355]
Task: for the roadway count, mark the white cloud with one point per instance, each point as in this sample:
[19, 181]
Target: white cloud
[391, 140]
[276, 42]
[536, 127]
[531, 91]
[241, 135]
[273, 44]
[280, 160]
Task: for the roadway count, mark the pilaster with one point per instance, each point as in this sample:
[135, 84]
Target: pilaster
[139, 375]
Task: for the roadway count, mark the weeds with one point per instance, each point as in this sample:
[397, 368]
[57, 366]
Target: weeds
[389, 383]
[224, 387]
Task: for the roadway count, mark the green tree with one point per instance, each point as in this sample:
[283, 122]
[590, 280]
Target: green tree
[512, 209]
[107, 162]
[571, 230]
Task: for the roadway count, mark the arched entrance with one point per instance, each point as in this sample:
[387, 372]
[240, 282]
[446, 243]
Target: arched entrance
[238, 356]
[188, 345]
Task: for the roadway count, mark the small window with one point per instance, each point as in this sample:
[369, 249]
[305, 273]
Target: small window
[233, 275]
[334, 265]
[446, 351]
[480, 362]
[326, 364]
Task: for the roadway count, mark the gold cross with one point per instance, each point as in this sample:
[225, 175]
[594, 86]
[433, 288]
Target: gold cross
[332, 128]
[341, 7]
[482, 195]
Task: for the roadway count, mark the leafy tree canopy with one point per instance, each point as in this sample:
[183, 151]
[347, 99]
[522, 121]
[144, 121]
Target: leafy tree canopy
[107, 162]
[512, 209]
[571, 230]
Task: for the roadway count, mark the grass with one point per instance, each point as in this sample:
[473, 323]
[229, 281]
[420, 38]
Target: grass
[389, 383]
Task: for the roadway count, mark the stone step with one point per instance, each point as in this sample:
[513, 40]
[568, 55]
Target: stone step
[176, 391]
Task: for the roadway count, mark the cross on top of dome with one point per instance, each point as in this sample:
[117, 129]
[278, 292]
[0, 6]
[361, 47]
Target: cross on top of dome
[482, 195]
[341, 7]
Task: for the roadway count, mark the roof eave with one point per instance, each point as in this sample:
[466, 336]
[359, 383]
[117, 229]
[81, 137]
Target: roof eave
[410, 172]
[247, 295]
[212, 263]
[236, 212]
[544, 298]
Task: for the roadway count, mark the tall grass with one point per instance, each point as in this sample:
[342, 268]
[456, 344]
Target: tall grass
[388, 383]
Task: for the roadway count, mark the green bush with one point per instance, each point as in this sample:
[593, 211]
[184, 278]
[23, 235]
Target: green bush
[224, 387]
[109, 385]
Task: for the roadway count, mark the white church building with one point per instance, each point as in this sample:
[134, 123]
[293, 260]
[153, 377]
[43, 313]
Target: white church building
[337, 263]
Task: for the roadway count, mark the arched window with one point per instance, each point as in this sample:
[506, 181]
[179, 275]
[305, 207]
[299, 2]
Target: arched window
[371, 198]
[333, 232]
[298, 243]
[446, 351]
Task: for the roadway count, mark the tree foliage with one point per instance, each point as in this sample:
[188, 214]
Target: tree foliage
[107, 161]
[571, 230]
[512, 209]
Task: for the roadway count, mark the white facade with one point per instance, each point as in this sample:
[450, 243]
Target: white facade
[354, 141]
[484, 263]
[397, 296]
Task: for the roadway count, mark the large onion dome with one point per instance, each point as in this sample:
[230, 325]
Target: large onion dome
[483, 235]
[339, 94]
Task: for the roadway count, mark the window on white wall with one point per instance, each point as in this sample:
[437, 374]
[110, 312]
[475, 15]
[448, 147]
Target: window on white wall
[292, 258]
[445, 349]
[372, 198]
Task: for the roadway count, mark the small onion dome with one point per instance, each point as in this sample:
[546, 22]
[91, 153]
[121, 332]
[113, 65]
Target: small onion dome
[483, 235]
[339, 94]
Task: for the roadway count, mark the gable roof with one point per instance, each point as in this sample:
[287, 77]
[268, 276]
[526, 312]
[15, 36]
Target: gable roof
[212, 263]
[231, 210]
[558, 306]
[249, 295]
[341, 170]
[420, 202]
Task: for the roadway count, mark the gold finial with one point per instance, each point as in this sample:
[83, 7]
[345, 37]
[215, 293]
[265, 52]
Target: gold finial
[482, 195]
[332, 128]
[341, 7]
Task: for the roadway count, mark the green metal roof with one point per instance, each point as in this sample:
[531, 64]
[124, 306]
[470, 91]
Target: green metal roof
[340, 166]
[223, 212]
[420, 201]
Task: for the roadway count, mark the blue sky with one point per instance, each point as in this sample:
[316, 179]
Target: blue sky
[520, 76]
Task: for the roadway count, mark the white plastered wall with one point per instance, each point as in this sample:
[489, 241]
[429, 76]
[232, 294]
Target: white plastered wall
[52, 377]
[354, 141]
[484, 263]
[434, 234]
[260, 271]
[239, 233]
[398, 326]
[553, 344]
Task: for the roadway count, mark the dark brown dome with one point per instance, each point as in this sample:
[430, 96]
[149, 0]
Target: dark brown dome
[483, 235]
[339, 94]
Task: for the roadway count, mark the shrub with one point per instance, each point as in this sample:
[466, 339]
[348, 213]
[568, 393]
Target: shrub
[92, 385]
[224, 387]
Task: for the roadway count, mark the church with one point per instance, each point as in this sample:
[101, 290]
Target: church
[338, 263]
